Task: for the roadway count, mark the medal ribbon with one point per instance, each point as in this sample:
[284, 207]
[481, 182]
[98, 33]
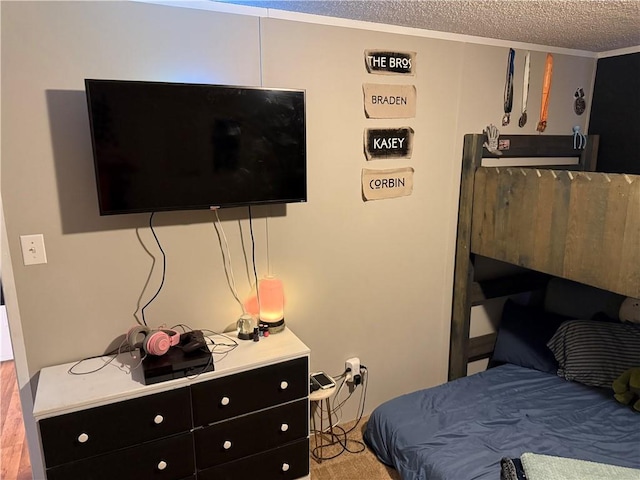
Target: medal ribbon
[508, 88]
[525, 89]
[546, 90]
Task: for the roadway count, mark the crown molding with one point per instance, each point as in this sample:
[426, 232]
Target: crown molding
[223, 7]
[618, 52]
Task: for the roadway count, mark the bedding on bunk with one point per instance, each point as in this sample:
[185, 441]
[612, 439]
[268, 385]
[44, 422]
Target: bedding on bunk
[531, 466]
[462, 429]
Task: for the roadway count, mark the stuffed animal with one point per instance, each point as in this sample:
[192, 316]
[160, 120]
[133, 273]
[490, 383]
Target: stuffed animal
[627, 388]
[630, 310]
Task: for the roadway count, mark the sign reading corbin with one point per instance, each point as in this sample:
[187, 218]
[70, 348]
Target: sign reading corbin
[389, 183]
[385, 62]
[388, 142]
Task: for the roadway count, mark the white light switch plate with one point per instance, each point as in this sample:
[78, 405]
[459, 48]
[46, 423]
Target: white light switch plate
[33, 252]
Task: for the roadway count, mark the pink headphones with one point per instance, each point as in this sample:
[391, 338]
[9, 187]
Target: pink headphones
[153, 342]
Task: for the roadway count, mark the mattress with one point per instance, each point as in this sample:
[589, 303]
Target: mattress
[460, 430]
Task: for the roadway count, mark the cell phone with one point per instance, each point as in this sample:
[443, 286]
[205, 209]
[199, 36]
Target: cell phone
[322, 380]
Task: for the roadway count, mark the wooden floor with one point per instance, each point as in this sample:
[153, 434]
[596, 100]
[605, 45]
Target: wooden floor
[14, 456]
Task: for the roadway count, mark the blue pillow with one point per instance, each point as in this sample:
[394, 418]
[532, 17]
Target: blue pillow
[522, 338]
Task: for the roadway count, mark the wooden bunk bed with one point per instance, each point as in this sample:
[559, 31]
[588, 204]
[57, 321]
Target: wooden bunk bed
[561, 221]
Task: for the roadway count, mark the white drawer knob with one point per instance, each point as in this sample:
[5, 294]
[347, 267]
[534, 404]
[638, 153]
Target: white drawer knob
[83, 437]
[284, 427]
[225, 401]
[226, 445]
[158, 419]
[162, 465]
[285, 467]
[283, 385]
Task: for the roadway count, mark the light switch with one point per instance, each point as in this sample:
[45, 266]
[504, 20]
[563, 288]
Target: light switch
[33, 252]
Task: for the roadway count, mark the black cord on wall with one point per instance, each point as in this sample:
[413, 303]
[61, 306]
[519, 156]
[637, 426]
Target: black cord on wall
[164, 269]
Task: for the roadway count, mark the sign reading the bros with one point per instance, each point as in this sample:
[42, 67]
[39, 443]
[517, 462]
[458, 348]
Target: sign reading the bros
[385, 62]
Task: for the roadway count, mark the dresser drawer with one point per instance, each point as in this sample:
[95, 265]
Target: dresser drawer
[86, 433]
[249, 391]
[283, 463]
[167, 459]
[232, 439]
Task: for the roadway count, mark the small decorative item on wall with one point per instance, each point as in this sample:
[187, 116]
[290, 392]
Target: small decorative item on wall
[388, 183]
[388, 142]
[389, 101]
[579, 105]
[579, 139]
[385, 62]
[493, 134]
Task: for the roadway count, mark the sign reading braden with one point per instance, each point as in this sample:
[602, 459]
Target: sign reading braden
[389, 183]
[389, 101]
[385, 62]
[388, 142]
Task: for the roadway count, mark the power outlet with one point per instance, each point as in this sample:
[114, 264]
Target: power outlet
[352, 367]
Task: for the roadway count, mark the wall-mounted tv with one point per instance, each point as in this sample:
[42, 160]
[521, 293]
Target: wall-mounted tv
[161, 146]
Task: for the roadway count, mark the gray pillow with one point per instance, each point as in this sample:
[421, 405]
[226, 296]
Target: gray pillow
[595, 353]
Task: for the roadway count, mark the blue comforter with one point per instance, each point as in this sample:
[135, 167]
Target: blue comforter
[460, 430]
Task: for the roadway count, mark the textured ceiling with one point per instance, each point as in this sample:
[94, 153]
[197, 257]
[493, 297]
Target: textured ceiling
[591, 25]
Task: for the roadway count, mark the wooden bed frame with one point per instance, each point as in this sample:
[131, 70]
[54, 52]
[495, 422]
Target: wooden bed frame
[562, 221]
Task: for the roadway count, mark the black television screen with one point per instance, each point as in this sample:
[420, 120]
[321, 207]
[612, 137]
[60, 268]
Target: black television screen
[177, 146]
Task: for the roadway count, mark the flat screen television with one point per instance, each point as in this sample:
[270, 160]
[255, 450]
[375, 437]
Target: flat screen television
[161, 146]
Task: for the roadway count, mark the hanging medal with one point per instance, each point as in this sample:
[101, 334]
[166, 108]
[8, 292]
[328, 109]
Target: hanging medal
[579, 106]
[525, 91]
[508, 89]
[546, 90]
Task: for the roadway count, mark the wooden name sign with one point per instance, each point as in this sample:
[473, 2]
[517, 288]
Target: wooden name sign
[389, 183]
[385, 62]
[389, 101]
[388, 142]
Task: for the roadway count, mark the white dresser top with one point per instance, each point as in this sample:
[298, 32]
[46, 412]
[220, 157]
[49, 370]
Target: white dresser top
[60, 392]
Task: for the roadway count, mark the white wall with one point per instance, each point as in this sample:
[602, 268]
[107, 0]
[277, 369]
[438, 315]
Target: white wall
[370, 277]
[367, 279]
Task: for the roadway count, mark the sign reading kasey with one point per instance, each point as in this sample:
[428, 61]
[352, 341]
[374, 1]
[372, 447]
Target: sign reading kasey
[386, 62]
[389, 101]
[388, 142]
